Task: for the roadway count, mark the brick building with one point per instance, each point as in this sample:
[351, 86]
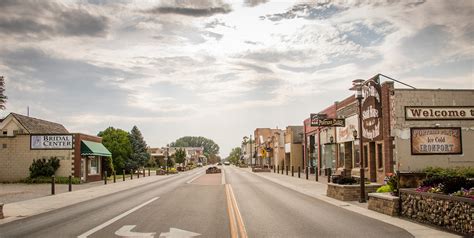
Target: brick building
[403, 130]
[24, 139]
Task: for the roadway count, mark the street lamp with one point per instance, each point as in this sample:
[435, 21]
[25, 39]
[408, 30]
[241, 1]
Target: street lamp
[357, 86]
[167, 157]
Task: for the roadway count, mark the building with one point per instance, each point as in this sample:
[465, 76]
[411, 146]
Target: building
[270, 150]
[24, 139]
[403, 130]
[194, 155]
[294, 147]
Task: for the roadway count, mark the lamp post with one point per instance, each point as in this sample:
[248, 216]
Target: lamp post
[357, 87]
[167, 157]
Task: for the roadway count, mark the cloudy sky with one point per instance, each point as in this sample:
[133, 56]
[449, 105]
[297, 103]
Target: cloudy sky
[216, 68]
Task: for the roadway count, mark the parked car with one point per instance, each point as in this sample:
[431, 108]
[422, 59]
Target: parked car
[226, 163]
[219, 163]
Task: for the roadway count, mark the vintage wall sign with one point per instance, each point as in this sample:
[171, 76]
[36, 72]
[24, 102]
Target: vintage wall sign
[346, 133]
[371, 110]
[436, 140]
[439, 113]
[51, 142]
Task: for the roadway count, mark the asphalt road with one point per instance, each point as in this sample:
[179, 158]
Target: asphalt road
[188, 205]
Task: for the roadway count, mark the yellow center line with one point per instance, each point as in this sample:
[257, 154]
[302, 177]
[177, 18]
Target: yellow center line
[230, 212]
[240, 221]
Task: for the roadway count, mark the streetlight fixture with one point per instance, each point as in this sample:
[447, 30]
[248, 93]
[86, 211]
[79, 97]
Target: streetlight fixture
[357, 86]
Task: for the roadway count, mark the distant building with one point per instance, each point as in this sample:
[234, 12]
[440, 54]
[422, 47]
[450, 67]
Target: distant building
[193, 154]
[24, 139]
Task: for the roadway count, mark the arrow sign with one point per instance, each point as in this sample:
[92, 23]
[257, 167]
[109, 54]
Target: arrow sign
[178, 233]
[126, 231]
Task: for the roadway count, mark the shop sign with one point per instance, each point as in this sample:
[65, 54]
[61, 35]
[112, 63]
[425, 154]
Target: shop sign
[346, 133]
[51, 142]
[318, 120]
[439, 113]
[371, 110]
[437, 140]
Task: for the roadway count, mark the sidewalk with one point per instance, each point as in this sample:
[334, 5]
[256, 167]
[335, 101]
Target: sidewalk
[318, 190]
[21, 209]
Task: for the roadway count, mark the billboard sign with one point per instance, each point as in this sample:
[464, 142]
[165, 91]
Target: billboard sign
[436, 140]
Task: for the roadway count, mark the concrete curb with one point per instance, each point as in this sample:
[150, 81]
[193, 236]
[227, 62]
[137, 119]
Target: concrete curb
[415, 229]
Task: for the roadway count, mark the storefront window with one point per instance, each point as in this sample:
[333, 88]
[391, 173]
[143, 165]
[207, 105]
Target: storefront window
[356, 156]
[366, 156]
[341, 156]
[93, 167]
[379, 156]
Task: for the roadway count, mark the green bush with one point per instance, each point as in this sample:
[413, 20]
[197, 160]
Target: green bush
[43, 179]
[449, 180]
[467, 172]
[43, 167]
[385, 189]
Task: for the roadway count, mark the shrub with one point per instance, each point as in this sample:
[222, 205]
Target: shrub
[43, 167]
[385, 189]
[343, 180]
[449, 180]
[59, 180]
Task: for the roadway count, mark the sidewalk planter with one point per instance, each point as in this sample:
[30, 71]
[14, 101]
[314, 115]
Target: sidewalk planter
[258, 170]
[384, 203]
[350, 192]
[448, 212]
[160, 172]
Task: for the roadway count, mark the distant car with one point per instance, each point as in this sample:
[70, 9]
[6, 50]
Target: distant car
[219, 163]
[199, 164]
[226, 163]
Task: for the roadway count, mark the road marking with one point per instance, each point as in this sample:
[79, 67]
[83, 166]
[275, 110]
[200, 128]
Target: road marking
[230, 212]
[190, 181]
[101, 226]
[178, 233]
[126, 231]
[240, 221]
[223, 176]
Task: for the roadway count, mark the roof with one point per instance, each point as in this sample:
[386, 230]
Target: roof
[38, 126]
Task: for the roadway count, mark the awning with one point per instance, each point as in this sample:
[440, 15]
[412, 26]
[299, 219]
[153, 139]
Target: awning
[94, 148]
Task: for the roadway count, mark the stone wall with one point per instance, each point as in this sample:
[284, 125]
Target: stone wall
[449, 212]
[349, 192]
[384, 203]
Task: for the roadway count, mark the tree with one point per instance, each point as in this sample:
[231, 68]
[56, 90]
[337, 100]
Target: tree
[117, 141]
[234, 156]
[140, 155]
[180, 156]
[3, 98]
[211, 149]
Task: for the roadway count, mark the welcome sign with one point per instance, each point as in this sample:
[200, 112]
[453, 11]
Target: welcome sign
[428, 141]
[439, 113]
[51, 142]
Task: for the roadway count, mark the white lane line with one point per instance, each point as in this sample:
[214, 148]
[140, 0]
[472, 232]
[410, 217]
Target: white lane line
[101, 226]
[199, 175]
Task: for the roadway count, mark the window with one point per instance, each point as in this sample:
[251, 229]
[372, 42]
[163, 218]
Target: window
[379, 156]
[366, 156]
[93, 167]
[341, 156]
[356, 156]
[4, 146]
[5, 133]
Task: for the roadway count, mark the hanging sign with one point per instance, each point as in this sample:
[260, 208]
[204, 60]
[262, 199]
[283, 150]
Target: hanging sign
[371, 110]
[437, 140]
[321, 120]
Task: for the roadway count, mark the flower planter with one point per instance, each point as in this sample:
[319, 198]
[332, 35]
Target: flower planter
[349, 192]
[384, 203]
[448, 212]
[257, 170]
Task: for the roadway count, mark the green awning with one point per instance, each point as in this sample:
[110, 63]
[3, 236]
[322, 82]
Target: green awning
[94, 148]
